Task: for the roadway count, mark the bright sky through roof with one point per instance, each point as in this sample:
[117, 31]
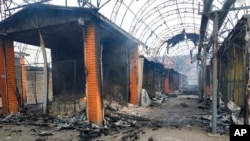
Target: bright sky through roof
[154, 21]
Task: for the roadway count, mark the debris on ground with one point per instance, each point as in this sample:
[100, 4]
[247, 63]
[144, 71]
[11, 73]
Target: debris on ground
[159, 97]
[115, 122]
[236, 113]
[145, 100]
[129, 121]
[223, 121]
[184, 104]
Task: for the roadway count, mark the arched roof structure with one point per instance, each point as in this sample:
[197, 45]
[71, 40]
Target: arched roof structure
[168, 28]
[173, 27]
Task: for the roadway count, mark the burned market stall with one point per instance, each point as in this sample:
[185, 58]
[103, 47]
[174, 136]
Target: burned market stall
[120, 72]
[153, 77]
[174, 81]
[205, 76]
[92, 59]
[233, 72]
[157, 79]
[232, 64]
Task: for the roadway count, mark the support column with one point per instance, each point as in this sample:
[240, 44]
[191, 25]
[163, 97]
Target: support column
[215, 81]
[93, 74]
[23, 80]
[204, 74]
[140, 76]
[202, 80]
[134, 96]
[45, 76]
[3, 86]
[8, 85]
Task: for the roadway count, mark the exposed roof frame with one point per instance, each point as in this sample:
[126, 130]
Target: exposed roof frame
[159, 19]
[222, 16]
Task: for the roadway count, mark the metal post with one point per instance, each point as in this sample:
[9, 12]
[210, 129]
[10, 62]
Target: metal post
[214, 81]
[204, 72]
[45, 75]
[199, 76]
[202, 79]
[6, 76]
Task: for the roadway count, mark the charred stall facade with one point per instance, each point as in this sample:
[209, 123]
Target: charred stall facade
[153, 77]
[233, 64]
[91, 57]
[174, 81]
[157, 78]
[120, 71]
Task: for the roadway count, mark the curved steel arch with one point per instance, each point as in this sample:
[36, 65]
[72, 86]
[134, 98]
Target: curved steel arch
[159, 19]
[168, 29]
[146, 15]
[141, 19]
[187, 47]
[128, 9]
[115, 10]
[145, 6]
[231, 20]
[150, 16]
[140, 13]
[148, 20]
[151, 12]
[164, 33]
[146, 24]
[166, 36]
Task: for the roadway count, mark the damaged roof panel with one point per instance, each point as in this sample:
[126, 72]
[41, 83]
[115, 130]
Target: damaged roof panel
[28, 21]
[37, 16]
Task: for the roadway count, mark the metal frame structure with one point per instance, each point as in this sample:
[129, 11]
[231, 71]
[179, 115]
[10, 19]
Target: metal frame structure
[9, 7]
[155, 22]
[150, 22]
[168, 29]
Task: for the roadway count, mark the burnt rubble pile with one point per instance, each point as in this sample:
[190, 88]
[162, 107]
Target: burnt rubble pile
[114, 122]
[223, 121]
[26, 119]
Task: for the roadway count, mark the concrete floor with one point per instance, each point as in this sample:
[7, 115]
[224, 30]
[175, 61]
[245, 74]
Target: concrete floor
[171, 134]
[174, 115]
